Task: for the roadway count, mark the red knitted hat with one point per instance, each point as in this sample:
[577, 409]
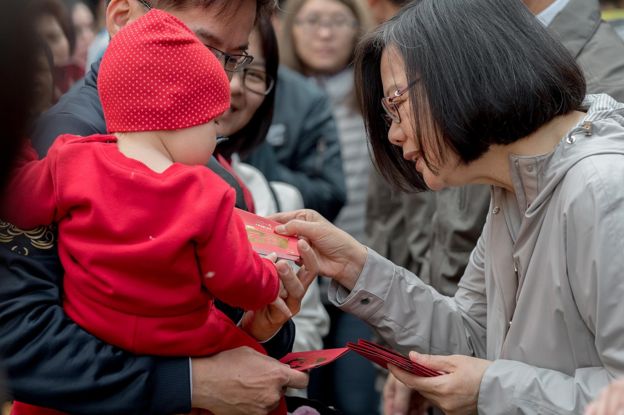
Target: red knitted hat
[156, 75]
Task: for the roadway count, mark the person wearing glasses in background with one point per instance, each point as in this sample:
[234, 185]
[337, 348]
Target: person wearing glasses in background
[317, 40]
[50, 360]
[246, 123]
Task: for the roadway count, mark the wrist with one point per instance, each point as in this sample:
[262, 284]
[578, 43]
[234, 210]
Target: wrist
[353, 268]
[259, 328]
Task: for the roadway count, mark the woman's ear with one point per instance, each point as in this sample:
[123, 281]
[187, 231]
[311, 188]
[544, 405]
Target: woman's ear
[121, 12]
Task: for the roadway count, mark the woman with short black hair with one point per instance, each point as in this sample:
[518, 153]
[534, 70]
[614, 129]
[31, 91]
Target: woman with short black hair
[476, 91]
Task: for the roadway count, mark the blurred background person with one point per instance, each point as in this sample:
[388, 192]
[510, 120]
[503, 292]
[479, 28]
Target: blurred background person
[53, 24]
[101, 39]
[246, 123]
[317, 40]
[613, 12]
[83, 21]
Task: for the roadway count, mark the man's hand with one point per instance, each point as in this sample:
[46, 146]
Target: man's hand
[241, 381]
[398, 399]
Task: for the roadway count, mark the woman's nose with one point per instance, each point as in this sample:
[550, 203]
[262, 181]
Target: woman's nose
[395, 134]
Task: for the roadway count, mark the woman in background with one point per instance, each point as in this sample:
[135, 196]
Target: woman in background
[53, 24]
[246, 123]
[318, 38]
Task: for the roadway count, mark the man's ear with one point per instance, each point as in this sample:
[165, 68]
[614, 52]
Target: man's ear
[121, 12]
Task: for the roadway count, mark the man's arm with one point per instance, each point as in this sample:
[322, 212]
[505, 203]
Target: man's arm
[52, 362]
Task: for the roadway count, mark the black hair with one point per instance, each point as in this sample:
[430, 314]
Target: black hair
[255, 132]
[263, 7]
[485, 71]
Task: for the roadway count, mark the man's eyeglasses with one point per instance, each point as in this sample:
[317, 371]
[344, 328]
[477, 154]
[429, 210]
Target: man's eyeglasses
[230, 63]
[256, 81]
[312, 24]
[391, 107]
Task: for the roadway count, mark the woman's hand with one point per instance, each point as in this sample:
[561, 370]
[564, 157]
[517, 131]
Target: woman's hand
[398, 399]
[264, 323]
[457, 391]
[610, 401]
[339, 255]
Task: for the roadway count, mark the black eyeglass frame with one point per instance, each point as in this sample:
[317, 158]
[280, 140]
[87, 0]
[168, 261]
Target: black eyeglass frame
[269, 81]
[231, 63]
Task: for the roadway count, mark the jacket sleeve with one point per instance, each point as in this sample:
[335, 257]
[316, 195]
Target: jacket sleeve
[231, 270]
[315, 167]
[594, 225]
[52, 362]
[410, 315]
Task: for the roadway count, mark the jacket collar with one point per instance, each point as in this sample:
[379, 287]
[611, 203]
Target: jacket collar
[92, 75]
[576, 24]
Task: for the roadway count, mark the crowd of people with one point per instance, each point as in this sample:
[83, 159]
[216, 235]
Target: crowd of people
[452, 170]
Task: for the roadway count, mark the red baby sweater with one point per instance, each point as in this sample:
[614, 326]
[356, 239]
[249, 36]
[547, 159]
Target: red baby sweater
[144, 252]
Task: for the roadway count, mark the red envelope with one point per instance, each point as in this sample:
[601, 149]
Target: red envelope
[383, 356]
[309, 360]
[264, 240]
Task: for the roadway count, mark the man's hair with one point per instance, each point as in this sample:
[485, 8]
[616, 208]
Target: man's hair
[263, 7]
[485, 72]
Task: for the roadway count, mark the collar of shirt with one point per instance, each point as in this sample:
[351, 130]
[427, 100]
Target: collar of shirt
[549, 13]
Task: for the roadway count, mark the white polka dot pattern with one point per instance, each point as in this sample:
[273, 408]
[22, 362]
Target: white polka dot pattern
[156, 75]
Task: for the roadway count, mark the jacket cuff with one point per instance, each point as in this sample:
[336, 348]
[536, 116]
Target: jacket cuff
[171, 386]
[282, 343]
[370, 290]
[497, 391]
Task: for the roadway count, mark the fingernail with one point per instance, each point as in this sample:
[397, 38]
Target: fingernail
[280, 229]
[282, 268]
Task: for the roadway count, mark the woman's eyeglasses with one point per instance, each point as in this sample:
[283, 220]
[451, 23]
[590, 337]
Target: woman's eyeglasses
[230, 63]
[391, 107]
[256, 81]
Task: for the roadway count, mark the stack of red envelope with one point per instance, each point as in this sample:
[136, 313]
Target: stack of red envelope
[372, 351]
[383, 356]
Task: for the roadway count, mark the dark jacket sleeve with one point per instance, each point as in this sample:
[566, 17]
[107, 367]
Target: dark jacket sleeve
[52, 362]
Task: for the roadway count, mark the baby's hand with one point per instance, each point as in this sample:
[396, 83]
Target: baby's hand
[264, 323]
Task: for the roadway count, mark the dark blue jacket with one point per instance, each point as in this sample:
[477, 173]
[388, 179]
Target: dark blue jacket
[49, 359]
[302, 147]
